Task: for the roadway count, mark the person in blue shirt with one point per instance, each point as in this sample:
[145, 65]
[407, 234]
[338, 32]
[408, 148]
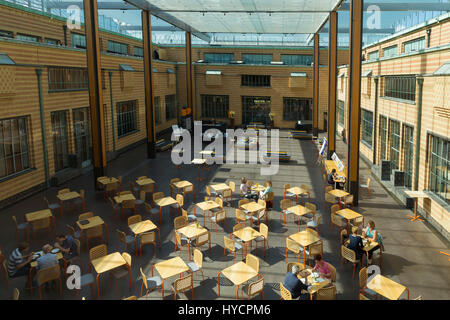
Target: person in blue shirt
[48, 259]
[67, 246]
[356, 243]
[294, 285]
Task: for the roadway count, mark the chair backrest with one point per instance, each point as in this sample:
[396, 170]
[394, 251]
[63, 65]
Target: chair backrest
[363, 276]
[285, 203]
[240, 214]
[121, 236]
[148, 237]
[180, 222]
[158, 195]
[98, 252]
[148, 207]
[85, 215]
[264, 230]
[15, 220]
[71, 230]
[328, 189]
[16, 294]
[219, 201]
[202, 239]
[262, 203]
[172, 181]
[130, 298]
[128, 204]
[252, 262]
[285, 293]
[144, 278]
[228, 193]
[343, 234]
[286, 186]
[311, 206]
[333, 272]
[348, 199]
[111, 187]
[78, 244]
[348, 254]
[126, 256]
[305, 187]
[292, 245]
[134, 219]
[180, 199]
[208, 191]
[318, 219]
[148, 188]
[334, 208]
[229, 243]
[250, 183]
[142, 177]
[242, 202]
[336, 219]
[184, 283]
[232, 186]
[94, 232]
[220, 215]
[256, 287]
[238, 227]
[327, 293]
[316, 248]
[368, 182]
[198, 257]
[301, 266]
[270, 196]
[312, 231]
[82, 193]
[363, 297]
[64, 191]
[48, 274]
[142, 195]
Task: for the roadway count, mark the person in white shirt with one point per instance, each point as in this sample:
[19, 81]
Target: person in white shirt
[244, 187]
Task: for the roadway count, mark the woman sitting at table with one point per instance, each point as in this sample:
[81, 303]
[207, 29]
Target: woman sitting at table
[321, 267]
[371, 233]
[356, 243]
[263, 194]
[246, 190]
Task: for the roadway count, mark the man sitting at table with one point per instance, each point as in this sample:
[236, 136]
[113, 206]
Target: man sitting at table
[331, 180]
[48, 259]
[19, 263]
[356, 243]
[67, 246]
[296, 287]
[246, 190]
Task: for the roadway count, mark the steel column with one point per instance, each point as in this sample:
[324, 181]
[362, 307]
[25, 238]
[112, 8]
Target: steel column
[148, 83]
[189, 86]
[375, 123]
[418, 133]
[95, 88]
[332, 83]
[356, 23]
[316, 86]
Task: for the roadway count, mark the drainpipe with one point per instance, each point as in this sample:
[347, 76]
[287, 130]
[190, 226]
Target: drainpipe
[65, 34]
[112, 111]
[418, 131]
[44, 137]
[374, 158]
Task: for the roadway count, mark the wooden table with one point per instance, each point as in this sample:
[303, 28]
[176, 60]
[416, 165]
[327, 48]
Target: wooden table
[338, 194]
[142, 227]
[252, 207]
[93, 222]
[330, 165]
[314, 285]
[258, 188]
[238, 274]
[120, 199]
[191, 231]
[299, 211]
[107, 263]
[220, 187]
[297, 191]
[386, 287]
[349, 215]
[34, 264]
[247, 234]
[199, 162]
[144, 182]
[164, 202]
[206, 206]
[67, 196]
[182, 184]
[170, 268]
[39, 215]
[106, 180]
[416, 195]
[304, 239]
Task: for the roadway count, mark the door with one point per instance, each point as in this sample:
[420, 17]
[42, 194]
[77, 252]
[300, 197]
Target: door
[82, 135]
[255, 109]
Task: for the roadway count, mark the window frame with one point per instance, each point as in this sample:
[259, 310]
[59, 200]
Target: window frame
[367, 127]
[259, 56]
[255, 80]
[407, 91]
[394, 149]
[171, 106]
[210, 108]
[439, 159]
[292, 106]
[60, 143]
[285, 60]
[217, 54]
[127, 120]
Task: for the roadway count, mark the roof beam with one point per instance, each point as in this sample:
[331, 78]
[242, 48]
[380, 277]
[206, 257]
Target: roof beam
[407, 6]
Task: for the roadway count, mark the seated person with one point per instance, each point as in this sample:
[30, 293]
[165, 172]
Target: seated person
[332, 182]
[356, 243]
[19, 261]
[268, 185]
[371, 233]
[294, 285]
[67, 246]
[48, 259]
[246, 191]
[321, 267]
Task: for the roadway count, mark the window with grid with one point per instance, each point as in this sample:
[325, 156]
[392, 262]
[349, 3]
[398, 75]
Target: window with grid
[6, 34]
[297, 59]
[218, 57]
[156, 102]
[295, 109]
[59, 133]
[414, 45]
[341, 112]
[14, 149]
[214, 106]
[408, 155]
[390, 51]
[138, 51]
[171, 110]
[367, 127]
[400, 87]
[374, 55]
[64, 78]
[394, 154]
[78, 40]
[383, 137]
[26, 37]
[257, 58]
[439, 168]
[126, 117]
[255, 80]
[117, 47]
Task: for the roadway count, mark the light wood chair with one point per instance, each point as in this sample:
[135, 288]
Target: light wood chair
[72, 232]
[109, 190]
[313, 208]
[255, 288]
[151, 211]
[343, 236]
[287, 194]
[300, 265]
[242, 202]
[329, 199]
[179, 205]
[285, 294]
[313, 250]
[180, 243]
[252, 262]
[348, 201]
[41, 224]
[190, 217]
[242, 217]
[150, 283]
[125, 239]
[314, 224]
[80, 200]
[366, 186]
[307, 190]
[189, 190]
[219, 216]
[209, 193]
[336, 220]
[53, 206]
[134, 188]
[97, 252]
[128, 205]
[202, 239]
[284, 205]
[95, 232]
[363, 277]
[98, 185]
[182, 285]
[333, 272]
[172, 188]
[3, 264]
[349, 255]
[146, 239]
[16, 294]
[130, 298]
[49, 274]
[142, 177]
[122, 272]
[232, 186]
[157, 196]
[20, 226]
[197, 264]
[227, 195]
[326, 293]
[294, 247]
[264, 230]
[261, 214]
[232, 246]
[134, 219]
[114, 207]
[85, 215]
[141, 200]
[269, 200]
[328, 189]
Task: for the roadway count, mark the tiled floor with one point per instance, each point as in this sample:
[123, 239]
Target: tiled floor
[412, 249]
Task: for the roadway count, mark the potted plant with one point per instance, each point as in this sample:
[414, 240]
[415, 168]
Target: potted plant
[272, 122]
[231, 117]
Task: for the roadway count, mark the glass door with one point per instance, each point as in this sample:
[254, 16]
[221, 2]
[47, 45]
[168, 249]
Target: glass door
[409, 153]
[256, 109]
[59, 132]
[82, 134]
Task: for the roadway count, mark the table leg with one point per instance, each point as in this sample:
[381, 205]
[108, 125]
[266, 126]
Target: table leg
[60, 207]
[129, 276]
[237, 292]
[160, 216]
[162, 289]
[339, 200]
[218, 281]
[304, 256]
[98, 287]
[135, 244]
[106, 231]
[189, 249]
[416, 217]
[159, 236]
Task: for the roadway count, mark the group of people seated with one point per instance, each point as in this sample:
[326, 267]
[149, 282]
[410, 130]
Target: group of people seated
[19, 261]
[356, 240]
[246, 191]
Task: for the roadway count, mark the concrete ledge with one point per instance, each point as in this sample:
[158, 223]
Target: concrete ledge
[22, 195]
